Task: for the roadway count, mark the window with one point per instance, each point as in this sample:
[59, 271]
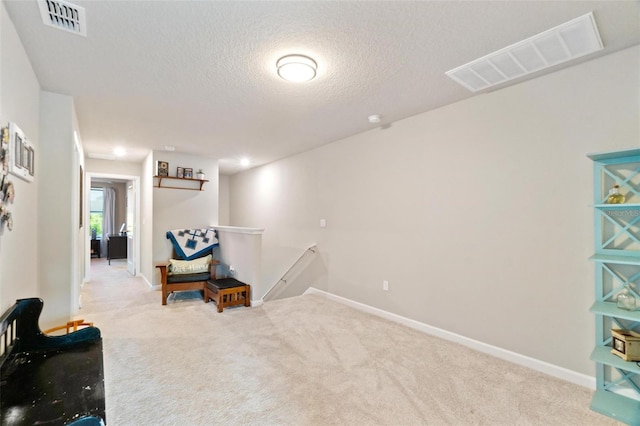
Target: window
[96, 213]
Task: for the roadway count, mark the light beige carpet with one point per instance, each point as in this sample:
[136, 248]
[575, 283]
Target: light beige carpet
[301, 361]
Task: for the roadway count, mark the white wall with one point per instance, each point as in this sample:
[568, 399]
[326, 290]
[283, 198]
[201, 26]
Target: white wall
[147, 269]
[241, 249]
[223, 200]
[176, 208]
[118, 167]
[476, 213]
[42, 256]
[60, 242]
[76, 209]
[19, 103]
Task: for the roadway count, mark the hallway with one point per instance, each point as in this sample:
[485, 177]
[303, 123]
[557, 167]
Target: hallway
[304, 360]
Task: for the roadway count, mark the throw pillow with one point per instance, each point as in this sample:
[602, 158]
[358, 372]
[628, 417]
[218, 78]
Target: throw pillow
[196, 266]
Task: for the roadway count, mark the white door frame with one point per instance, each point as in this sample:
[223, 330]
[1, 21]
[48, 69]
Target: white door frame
[136, 235]
[132, 267]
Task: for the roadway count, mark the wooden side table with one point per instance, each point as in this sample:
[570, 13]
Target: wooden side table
[227, 292]
[95, 248]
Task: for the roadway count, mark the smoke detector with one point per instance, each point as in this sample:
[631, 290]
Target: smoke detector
[63, 16]
[374, 119]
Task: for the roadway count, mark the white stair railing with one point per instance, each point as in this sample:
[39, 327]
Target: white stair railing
[282, 283]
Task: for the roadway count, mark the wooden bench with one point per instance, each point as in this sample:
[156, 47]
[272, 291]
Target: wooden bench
[53, 380]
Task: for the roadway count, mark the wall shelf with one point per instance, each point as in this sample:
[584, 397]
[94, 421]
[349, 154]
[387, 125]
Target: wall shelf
[628, 259]
[179, 180]
[603, 355]
[625, 206]
[611, 309]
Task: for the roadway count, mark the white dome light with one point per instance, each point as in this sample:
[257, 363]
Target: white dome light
[296, 68]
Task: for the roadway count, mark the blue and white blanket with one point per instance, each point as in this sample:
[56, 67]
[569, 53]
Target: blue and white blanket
[192, 243]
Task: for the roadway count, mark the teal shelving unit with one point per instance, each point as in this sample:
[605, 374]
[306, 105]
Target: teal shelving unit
[617, 264]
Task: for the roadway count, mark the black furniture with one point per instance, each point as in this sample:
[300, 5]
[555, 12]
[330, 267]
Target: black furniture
[116, 247]
[95, 248]
[52, 380]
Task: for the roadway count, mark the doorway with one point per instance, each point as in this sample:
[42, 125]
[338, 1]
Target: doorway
[125, 220]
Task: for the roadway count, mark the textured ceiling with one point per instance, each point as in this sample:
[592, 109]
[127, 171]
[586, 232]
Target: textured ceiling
[201, 75]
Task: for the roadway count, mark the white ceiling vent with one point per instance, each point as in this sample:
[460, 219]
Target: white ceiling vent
[62, 15]
[563, 43]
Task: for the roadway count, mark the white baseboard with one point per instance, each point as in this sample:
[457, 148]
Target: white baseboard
[151, 286]
[256, 303]
[532, 363]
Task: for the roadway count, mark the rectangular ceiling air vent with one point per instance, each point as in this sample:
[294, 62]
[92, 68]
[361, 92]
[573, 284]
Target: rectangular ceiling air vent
[64, 16]
[99, 156]
[568, 41]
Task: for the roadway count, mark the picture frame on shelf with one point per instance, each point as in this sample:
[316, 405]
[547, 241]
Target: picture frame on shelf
[188, 173]
[21, 154]
[180, 172]
[162, 168]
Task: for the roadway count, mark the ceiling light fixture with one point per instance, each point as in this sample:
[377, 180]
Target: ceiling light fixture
[119, 152]
[296, 68]
[245, 162]
[374, 119]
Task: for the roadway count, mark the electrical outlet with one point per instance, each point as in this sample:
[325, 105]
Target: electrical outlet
[385, 285]
[232, 270]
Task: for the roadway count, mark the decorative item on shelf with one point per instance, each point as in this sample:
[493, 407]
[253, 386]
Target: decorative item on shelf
[180, 172]
[200, 174]
[626, 300]
[5, 218]
[188, 173]
[4, 151]
[7, 192]
[615, 197]
[162, 168]
[625, 344]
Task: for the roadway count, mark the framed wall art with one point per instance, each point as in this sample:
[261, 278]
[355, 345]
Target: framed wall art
[22, 154]
[162, 168]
